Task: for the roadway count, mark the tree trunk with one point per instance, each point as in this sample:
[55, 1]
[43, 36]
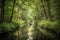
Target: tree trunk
[49, 10]
[44, 9]
[2, 10]
[12, 11]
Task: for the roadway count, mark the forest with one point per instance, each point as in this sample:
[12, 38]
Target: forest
[29, 19]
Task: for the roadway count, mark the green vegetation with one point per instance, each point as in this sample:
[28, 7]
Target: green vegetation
[22, 19]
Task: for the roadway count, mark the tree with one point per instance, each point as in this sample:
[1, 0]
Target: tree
[12, 10]
[2, 10]
[49, 10]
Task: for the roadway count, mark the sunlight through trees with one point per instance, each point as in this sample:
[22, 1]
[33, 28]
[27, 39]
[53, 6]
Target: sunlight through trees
[29, 20]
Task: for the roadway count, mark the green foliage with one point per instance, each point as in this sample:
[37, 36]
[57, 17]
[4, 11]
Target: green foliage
[6, 27]
[47, 23]
[49, 28]
[29, 17]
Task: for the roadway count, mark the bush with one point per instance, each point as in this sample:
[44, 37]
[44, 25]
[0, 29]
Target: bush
[48, 24]
[49, 28]
[5, 27]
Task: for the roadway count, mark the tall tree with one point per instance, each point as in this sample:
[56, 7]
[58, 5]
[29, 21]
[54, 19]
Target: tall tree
[49, 10]
[43, 6]
[2, 10]
[12, 11]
